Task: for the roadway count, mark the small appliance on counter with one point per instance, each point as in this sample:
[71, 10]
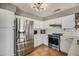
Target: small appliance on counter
[42, 31]
[35, 32]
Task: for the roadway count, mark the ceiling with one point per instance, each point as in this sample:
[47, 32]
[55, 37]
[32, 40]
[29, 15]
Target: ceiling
[26, 7]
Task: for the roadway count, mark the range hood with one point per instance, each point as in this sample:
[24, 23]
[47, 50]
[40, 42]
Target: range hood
[55, 25]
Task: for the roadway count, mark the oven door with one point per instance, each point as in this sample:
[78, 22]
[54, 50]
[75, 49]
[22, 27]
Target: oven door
[53, 40]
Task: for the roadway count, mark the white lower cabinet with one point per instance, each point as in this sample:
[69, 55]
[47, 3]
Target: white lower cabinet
[37, 40]
[65, 44]
[40, 39]
[45, 40]
[74, 48]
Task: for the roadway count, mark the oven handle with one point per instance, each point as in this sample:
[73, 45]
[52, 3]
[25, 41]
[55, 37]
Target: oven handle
[54, 37]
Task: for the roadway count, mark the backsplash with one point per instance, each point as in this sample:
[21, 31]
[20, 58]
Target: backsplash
[66, 32]
[54, 30]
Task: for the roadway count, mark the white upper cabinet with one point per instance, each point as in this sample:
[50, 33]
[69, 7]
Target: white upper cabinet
[41, 25]
[52, 21]
[68, 21]
[57, 21]
[46, 24]
[38, 24]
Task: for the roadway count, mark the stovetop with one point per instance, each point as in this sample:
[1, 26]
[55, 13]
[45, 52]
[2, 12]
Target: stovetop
[56, 34]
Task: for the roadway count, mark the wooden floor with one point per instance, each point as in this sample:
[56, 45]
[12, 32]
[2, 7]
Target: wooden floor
[43, 50]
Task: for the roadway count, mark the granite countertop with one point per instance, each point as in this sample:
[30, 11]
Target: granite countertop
[71, 36]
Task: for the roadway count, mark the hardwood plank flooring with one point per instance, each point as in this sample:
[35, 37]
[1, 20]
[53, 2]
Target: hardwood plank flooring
[43, 50]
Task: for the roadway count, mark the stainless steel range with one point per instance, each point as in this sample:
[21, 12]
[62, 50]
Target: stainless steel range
[54, 41]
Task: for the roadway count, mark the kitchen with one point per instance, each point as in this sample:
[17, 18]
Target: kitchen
[62, 25]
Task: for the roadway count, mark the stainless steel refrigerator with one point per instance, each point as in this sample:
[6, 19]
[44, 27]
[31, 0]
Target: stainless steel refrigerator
[24, 41]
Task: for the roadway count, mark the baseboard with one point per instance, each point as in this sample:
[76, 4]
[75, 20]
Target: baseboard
[40, 45]
[64, 52]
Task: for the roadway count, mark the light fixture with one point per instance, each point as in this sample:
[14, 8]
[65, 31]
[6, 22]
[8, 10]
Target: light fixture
[39, 6]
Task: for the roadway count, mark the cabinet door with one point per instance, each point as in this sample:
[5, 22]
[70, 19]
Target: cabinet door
[45, 39]
[41, 25]
[65, 44]
[46, 24]
[74, 48]
[36, 24]
[39, 39]
[35, 41]
[68, 21]
[52, 21]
